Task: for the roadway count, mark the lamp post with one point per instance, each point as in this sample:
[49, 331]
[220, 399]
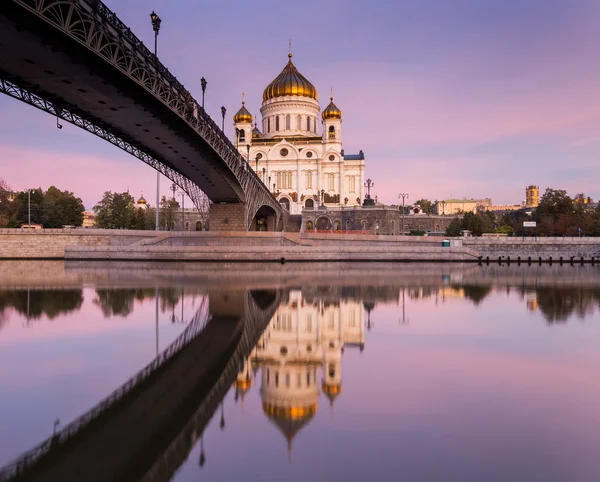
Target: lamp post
[203, 84]
[248, 153]
[155, 19]
[29, 208]
[369, 184]
[403, 195]
[223, 111]
[174, 190]
[264, 173]
[183, 211]
[322, 198]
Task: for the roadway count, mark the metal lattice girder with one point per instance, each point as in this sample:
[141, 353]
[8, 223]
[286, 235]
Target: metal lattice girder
[95, 26]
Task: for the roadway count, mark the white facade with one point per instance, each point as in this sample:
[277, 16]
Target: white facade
[298, 153]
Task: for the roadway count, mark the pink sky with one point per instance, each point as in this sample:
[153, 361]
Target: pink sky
[462, 98]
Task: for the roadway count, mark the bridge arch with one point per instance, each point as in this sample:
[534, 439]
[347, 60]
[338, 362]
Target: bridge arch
[266, 219]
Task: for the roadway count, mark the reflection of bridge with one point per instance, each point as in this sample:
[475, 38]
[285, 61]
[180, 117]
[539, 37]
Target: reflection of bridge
[76, 60]
[132, 429]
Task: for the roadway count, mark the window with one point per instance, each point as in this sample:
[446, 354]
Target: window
[309, 204]
[242, 135]
[331, 182]
[299, 123]
[285, 203]
[268, 124]
[299, 380]
[287, 122]
[331, 132]
[337, 226]
[307, 378]
[309, 225]
[276, 379]
[315, 124]
[276, 123]
[308, 179]
[289, 180]
[351, 184]
[268, 376]
[308, 123]
[308, 322]
[287, 380]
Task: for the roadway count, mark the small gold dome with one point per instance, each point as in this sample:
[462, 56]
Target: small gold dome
[331, 111]
[243, 116]
[290, 82]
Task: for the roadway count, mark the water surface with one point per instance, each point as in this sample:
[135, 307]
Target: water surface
[379, 372]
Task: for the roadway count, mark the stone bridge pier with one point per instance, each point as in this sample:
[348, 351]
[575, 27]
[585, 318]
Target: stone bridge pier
[239, 217]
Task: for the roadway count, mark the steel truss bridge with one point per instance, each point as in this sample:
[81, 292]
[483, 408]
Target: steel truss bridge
[75, 60]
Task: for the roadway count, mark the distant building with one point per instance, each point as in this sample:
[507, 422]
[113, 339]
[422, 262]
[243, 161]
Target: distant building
[141, 203]
[452, 207]
[532, 196]
[89, 219]
[504, 207]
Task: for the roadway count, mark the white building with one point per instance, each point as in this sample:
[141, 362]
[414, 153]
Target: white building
[301, 167]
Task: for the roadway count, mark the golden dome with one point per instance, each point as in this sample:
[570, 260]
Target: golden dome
[290, 82]
[331, 111]
[243, 116]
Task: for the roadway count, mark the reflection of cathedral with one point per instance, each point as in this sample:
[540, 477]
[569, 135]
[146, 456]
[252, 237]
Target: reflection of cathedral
[301, 339]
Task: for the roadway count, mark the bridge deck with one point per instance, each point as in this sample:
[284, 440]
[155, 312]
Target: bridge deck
[118, 445]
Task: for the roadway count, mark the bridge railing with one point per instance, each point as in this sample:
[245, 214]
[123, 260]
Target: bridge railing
[125, 33]
[25, 460]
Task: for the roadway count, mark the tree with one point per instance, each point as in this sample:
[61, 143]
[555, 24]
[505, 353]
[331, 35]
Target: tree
[168, 213]
[426, 205]
[7, 207]
[554, 203]
[21, 215]
[454, 227]
[61, 208]
[115, 211]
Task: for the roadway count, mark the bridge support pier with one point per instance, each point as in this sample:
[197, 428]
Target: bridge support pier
[228, 217]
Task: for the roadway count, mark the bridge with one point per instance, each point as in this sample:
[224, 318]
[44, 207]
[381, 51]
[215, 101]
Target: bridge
[146, 428]
[75, 60]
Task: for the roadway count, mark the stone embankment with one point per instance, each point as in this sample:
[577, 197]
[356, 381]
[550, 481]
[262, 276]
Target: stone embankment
[97, 244]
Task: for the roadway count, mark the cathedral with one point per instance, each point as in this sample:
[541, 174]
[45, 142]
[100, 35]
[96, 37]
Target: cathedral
[303, 169]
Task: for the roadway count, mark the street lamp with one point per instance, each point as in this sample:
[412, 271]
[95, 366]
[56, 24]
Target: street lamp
[223, 111]
[203, 84]
[403, 195]
[155, 19]
[183, 211]
[174, 189]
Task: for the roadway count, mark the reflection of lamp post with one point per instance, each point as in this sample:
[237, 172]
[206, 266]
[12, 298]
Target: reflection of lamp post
[222, 424]
[403, 195]
[223, 111]
[404, 320]
[203, 84]
[202, 455]
[156, 297]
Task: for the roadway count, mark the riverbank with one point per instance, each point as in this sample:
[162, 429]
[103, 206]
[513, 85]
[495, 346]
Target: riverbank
[252, 247]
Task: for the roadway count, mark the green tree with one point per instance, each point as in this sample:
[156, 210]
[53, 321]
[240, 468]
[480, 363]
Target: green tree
[168, 213]
[61, 208]
[7, 207]
[454, 227]
[426, 205]
[115, 211]
[21, 214]
[554, 203]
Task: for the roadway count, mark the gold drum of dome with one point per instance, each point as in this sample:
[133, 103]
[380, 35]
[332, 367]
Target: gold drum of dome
[290, 82]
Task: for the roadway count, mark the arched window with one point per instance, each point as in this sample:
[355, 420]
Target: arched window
[308, 123]
[276, 123]
[242, 135]
[285, 203]
[363, 224]
[437, 227]
[331, 132]
[277, 379]
[187, 225]
[287, 122]
[309, 225]
[268, 124]
[309, 204]
[337, 226]
[198, 226]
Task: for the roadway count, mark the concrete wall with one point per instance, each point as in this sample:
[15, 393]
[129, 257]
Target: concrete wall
[51, 243]
[544, 247]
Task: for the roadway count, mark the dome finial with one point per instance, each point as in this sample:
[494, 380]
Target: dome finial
[243, 100]
[290, 49]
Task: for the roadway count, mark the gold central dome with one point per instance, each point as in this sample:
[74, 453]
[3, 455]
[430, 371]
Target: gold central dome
[290, 82]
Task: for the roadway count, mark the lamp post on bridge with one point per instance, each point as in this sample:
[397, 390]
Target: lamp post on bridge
[203, 84]
[155, 19]
[183, 210]
[403, 195]
[174, 189]
[223, 111]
